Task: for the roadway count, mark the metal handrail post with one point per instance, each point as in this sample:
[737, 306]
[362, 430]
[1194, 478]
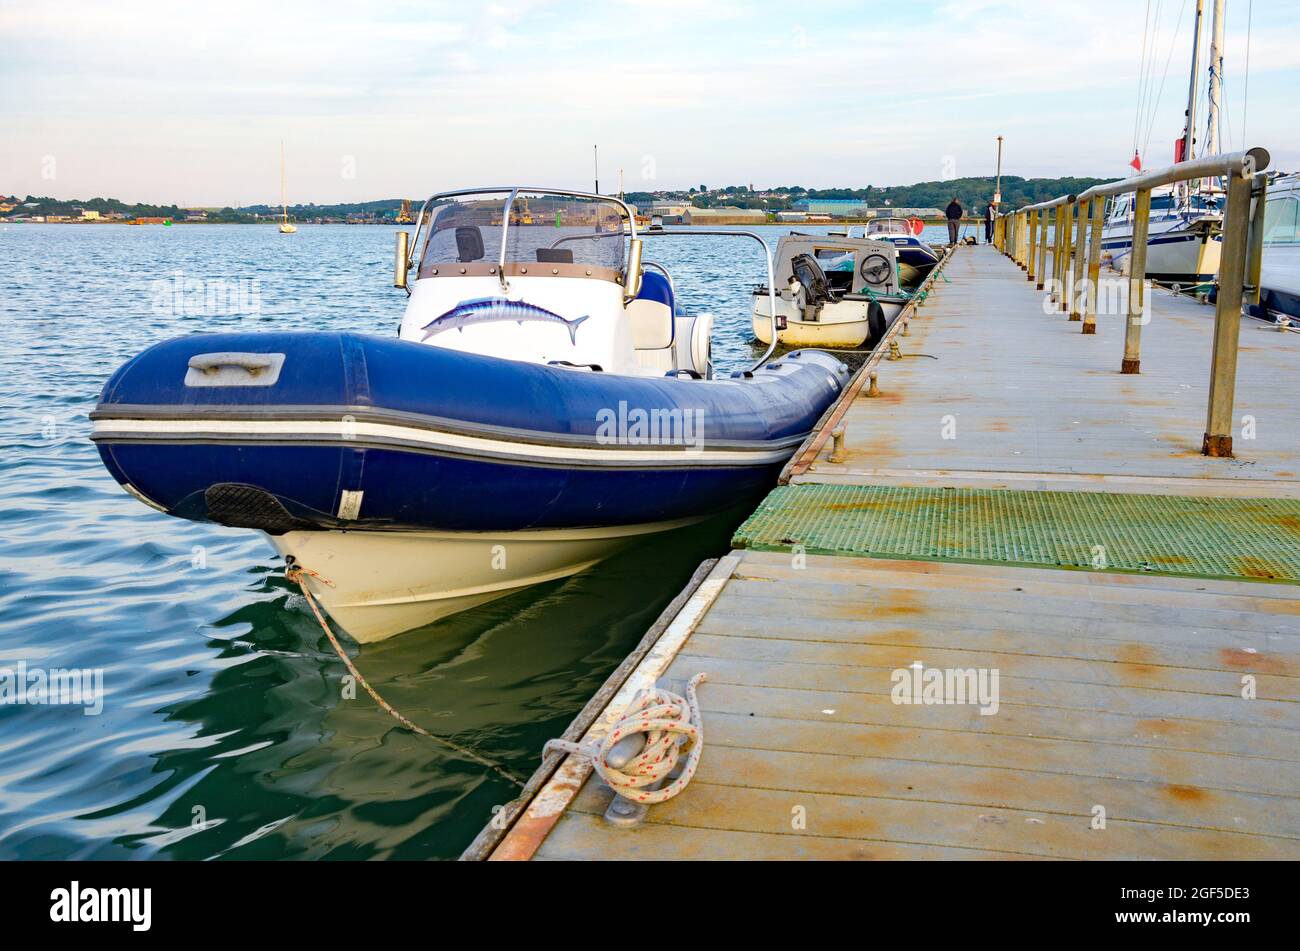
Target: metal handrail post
[1227, 319]
[1255, 247]
[1042, 250]
[1094, 267]
[1030, 242]
[1080, 244]
[1132, 362]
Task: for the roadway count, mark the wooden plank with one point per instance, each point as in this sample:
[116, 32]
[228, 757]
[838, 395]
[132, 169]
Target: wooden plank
[1060, 737]
[1140, 606]
[1024, 832]
[990, 608]
[1015, 691]
[1194, 779]
[1103, 586]
[871, 660]
[580, 836]
[1248, 653]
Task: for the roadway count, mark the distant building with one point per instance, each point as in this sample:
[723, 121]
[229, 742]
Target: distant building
[834, 207]
[89, 215]
[904, 212]
[670, 212]
[792, 216]
[725, 215]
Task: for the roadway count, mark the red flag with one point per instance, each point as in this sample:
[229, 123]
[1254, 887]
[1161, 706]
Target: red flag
[1179, 144]
[1137, 162]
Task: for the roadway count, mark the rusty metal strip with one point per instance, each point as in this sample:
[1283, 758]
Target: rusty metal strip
[545, 808]
[808, 451]
[501, 822]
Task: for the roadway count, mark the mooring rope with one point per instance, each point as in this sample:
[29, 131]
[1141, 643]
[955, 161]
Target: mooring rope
[298, 574]
[672, 725]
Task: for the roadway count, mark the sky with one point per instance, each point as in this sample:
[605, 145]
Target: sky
[188, 103]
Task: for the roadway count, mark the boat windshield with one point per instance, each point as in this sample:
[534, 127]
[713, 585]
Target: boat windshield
[576, 236]
[888, 226]
[1282, 220]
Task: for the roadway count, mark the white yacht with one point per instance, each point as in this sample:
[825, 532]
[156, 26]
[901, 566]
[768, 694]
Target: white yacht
[1280, 272]
[1184, 236]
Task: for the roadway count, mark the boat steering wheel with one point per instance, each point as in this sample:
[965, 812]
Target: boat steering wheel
[875, 269]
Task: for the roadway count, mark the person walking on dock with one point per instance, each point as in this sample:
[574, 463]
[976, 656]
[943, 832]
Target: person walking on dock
[990, 216]
[953, 213]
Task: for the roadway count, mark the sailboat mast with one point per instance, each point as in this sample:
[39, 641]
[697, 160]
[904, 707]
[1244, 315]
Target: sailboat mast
[284, 207]
[1190, 129]
[1214, 93]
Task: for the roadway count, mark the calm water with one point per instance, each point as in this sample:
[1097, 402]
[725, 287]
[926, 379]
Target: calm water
[222, 732]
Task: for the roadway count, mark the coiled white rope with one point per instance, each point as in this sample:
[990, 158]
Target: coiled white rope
[673, 726]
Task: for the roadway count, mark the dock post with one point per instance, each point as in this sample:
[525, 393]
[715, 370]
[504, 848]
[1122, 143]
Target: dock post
[1067, 256]
[1255, 245]
[1080, 242]
[1094, 267]
[1042, 250]
[1063, 266]
[1062, 230]
[1137, 260]
[1056, 253]
[1031, 228]
[1227, 318]
[1022, 232]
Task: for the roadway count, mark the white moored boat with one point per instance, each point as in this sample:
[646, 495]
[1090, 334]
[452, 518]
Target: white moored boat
[832, 291]
[1280, 268]
[545, 403]
[1184, 236]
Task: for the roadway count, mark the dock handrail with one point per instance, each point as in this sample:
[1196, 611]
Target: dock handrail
[1021, 234]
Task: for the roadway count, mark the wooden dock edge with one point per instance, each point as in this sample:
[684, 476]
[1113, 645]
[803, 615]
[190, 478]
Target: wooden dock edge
[546, 795]
[808, 450]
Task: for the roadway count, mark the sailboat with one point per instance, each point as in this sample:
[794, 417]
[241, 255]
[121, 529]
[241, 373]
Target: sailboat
[1184, 236]
[286, 227]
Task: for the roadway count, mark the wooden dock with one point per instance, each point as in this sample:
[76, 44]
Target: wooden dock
[1147, 697]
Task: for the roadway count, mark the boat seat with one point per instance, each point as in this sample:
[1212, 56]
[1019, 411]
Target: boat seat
[651, 313]
[469, 244]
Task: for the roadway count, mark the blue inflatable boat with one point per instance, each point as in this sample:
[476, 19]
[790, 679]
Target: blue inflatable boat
[522, 427]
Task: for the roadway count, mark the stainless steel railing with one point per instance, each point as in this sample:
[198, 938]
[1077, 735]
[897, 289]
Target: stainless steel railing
[1022, 234]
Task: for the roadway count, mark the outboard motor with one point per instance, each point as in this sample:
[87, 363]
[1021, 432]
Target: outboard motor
[816, 287]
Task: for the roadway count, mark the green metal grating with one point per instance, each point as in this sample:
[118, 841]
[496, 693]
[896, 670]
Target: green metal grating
[1255, 539]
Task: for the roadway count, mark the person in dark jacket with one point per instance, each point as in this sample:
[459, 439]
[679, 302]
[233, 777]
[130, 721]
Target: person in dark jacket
[953, 213]
[990, 216]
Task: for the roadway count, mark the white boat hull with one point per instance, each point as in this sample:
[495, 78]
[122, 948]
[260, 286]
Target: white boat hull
[389, 582]
[1175, 253]
[842, 324]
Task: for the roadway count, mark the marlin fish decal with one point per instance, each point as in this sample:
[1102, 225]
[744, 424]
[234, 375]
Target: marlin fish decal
[487, 310]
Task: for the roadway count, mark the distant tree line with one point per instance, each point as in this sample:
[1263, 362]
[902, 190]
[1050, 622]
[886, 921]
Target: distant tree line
[973, 193]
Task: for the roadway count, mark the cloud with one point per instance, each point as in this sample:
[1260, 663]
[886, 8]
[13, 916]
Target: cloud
[165, 101]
